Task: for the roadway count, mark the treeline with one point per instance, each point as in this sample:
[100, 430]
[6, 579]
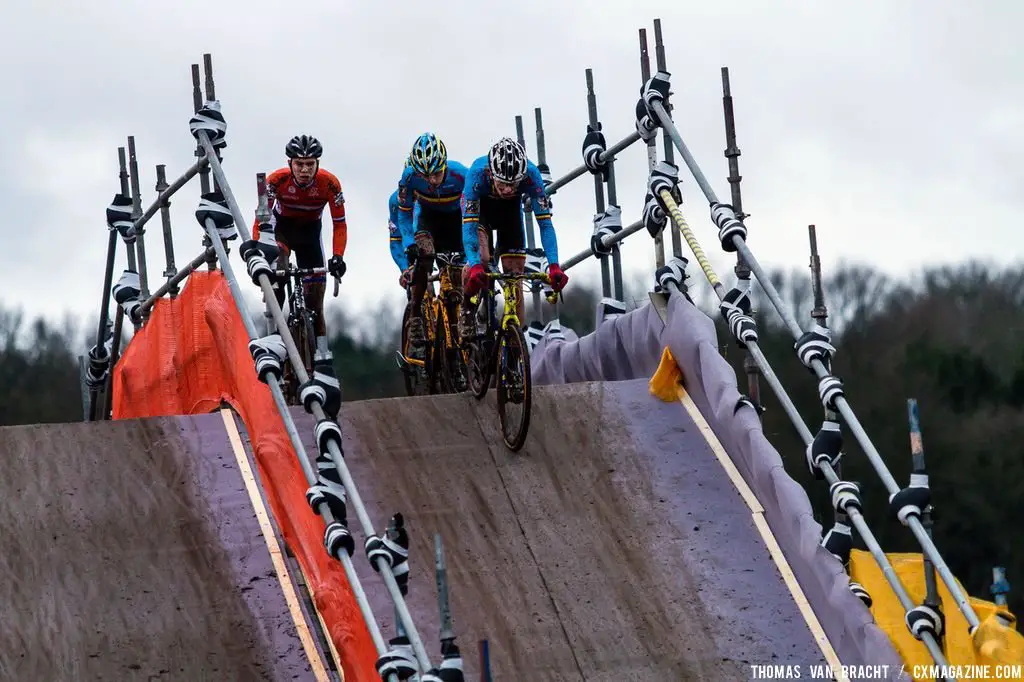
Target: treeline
[950, 337]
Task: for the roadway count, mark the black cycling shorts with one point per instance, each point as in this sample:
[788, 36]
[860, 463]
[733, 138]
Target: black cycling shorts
[301, 237]
[444, 228]
[503, 217]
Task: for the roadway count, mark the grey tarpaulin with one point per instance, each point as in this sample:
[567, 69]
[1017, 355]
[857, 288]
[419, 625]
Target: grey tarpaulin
[630, 347]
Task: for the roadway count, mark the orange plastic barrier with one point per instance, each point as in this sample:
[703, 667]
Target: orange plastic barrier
[191, 355]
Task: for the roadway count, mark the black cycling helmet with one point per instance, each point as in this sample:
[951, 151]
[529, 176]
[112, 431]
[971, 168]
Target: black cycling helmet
[303, 147]
[507, 160]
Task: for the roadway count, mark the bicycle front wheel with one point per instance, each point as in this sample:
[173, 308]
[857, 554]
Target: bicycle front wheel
[479, 357]
[514, 386]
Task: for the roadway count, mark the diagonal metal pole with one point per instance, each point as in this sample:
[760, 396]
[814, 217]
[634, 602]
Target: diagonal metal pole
[773, 381]
[819, 370]
[293, 354]
[293, 435]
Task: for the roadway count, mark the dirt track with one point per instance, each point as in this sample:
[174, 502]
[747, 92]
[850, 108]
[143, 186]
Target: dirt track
[130, 552]
[612, 547]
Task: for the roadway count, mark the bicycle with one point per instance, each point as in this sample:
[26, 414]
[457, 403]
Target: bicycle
[500, 350]
[301, 324]
[445, 359]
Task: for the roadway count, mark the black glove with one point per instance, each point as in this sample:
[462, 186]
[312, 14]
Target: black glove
[412, 252]
[336, 266]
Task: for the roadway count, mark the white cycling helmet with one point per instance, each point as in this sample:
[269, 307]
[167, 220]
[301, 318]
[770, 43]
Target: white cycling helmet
[507, 161]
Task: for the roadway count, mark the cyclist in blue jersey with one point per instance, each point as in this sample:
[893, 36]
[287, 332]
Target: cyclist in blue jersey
[493, 208]
[432, 184]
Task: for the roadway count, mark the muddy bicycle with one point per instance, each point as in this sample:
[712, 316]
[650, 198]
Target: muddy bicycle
[301, 322]
[443, 369]
[498, 349]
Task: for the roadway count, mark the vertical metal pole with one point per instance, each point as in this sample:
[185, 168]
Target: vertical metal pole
[123, 177]
[652, 146]
[211, 93]
[616, 256]
[820, 315]
[133, 164]
[606, 286]
[165, 219]
[918, 469]
[263, 217]
[528, 219]
[670, 153]
[204, 173]
[542, 160]
[742, 270]
[115, 345]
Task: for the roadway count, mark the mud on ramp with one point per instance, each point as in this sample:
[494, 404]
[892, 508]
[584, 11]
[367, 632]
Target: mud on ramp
[612, 547]
[131, 552]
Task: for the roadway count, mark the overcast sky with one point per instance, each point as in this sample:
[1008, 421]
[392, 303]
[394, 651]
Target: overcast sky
[894, 126]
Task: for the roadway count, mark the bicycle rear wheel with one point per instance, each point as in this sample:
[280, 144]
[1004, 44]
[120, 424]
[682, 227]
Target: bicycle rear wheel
[514, 386]
[409, 371]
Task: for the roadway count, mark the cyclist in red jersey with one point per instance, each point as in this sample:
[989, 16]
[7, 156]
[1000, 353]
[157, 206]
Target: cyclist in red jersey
[297, 195]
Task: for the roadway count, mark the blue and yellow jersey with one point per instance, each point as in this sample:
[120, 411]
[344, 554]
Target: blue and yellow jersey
[478, 186]
[414, 190]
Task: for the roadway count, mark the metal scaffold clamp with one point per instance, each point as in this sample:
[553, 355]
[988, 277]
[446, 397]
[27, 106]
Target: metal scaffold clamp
[323, 388]
[607, 224]
[210, 119]
[213, 207]
[594, 147]
[119, 217]
[729, 225]
[258, 254]
[127, 292]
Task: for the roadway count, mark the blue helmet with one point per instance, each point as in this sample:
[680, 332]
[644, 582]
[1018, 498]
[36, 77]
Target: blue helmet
[428, 155]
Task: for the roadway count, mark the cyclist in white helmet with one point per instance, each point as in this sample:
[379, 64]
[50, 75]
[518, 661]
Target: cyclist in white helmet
[492, 220]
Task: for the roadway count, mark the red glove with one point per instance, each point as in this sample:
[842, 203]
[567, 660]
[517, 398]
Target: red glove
[558, 278]
[477, 280]
[405, 278]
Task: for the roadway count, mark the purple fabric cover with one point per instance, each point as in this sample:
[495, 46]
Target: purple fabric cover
[629, 347]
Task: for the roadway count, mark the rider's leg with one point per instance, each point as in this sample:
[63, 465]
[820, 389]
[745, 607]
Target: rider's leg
[420, 273]
[467, 321]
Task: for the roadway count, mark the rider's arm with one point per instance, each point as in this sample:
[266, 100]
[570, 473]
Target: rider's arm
[397, 252]
[336, 200]
[471, 214]
[406, 203]
[394, 235]
[542, 212]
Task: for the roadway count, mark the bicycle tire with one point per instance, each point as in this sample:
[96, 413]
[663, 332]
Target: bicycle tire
[408, 371]
[480, 363]
[442, 376]
[514, 434]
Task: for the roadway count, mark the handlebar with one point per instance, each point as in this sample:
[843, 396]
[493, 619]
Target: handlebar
[292, 271]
